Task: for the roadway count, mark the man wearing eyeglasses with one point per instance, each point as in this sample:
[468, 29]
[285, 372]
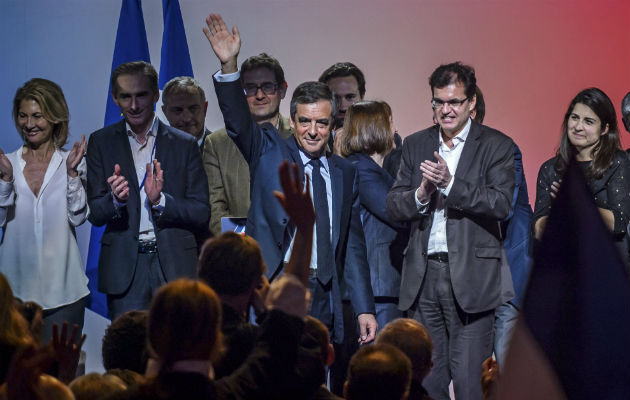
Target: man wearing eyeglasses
[455, 185]
[264, 85]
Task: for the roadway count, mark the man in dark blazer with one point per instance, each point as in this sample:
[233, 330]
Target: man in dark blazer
[345, 274]
[146, 183]
[455, 185]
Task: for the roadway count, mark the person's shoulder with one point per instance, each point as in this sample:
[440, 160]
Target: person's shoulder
[108, 130]
[220, 138]
[428, 134]
[176, 134]
[489, 133]
[547, 168]
[340, 162]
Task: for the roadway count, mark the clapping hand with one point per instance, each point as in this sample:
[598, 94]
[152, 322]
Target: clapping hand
[6, 169]
[436, 173]
[154, 182]
[119, 185]
[75, 156]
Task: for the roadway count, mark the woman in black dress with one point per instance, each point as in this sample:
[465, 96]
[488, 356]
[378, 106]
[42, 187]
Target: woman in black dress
[590, 136]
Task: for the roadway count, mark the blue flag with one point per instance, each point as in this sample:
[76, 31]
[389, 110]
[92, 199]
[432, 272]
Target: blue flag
[131, 45]
[175, 59]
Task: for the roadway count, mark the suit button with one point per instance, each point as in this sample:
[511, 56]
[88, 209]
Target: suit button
[424, 253]
[284, 221]
[279, 245]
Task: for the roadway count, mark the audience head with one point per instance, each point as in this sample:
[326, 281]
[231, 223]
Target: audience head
[589, 127]
[479, 112]
[379, 371]
[411, 338]
[184, 105]
[453, 90]
[50, 388]
[263, 81]
[347, 83]
[33, 314]
[135, 91]
[95, 386]
[231, 264]
[625, 111]
[184, 323]
[124, 342]
[312, 112]
[367, 129]
[40, 113]
[13, 327]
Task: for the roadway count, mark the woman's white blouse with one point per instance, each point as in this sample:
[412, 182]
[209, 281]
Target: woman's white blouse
[39, 253]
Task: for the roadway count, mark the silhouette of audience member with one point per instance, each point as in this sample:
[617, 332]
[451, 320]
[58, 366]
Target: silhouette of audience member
[232, 265]
[95, 386]
[314, 355]
[410, 337]
[378, 372]
[124, 342]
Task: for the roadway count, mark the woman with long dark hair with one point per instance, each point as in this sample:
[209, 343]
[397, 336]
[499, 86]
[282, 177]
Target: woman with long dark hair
[590, 136]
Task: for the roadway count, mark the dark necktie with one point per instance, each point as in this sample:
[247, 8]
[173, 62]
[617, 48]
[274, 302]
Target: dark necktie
[324, 247]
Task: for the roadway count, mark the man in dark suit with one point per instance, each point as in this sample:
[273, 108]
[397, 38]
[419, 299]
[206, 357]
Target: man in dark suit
[147, 185]
[339, 268]
[263, 80]
[455, 185]
[184, 105]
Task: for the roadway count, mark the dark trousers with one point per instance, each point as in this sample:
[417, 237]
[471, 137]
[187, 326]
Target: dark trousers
[461, 341]
[322, 309]
[72, 313]
[146, 280]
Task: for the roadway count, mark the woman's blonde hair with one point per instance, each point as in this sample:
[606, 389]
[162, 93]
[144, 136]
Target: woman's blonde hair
[49, 96]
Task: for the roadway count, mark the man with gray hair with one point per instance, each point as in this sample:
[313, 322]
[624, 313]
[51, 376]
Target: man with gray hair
[184, 105]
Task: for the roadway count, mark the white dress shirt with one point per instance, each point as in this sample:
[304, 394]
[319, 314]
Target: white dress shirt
[144, 153]
[39, 253]
[437, 237]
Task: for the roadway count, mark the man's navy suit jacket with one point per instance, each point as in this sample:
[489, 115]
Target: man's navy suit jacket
[186, 210]
[264, 150]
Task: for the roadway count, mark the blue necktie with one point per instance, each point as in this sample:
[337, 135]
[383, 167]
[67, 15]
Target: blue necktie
[324, 247]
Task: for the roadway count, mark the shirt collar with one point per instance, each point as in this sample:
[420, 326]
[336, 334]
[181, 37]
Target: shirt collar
[306, 159]
[460, 137]
[151, 132]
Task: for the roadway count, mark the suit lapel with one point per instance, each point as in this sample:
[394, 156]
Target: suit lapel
[121, 147]
[161, 145]
[469, 151]
[294, 154]
[336, 182]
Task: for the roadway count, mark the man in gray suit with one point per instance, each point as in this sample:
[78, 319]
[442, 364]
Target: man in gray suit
[147, 186]
[263, 81]
[455, 185]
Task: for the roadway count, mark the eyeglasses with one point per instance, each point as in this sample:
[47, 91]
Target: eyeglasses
[267, 88]
[453, 103]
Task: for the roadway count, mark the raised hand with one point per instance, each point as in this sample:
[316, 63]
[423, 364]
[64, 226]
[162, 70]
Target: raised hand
[436, 173]
[67, 351]
[6, 169]
[299, 207]
[154, 182]
[75, 156]
[225, 45]
[296, 202]
[119, 185]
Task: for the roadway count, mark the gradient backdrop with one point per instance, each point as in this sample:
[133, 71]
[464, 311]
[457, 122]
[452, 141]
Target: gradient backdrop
[531, 57]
